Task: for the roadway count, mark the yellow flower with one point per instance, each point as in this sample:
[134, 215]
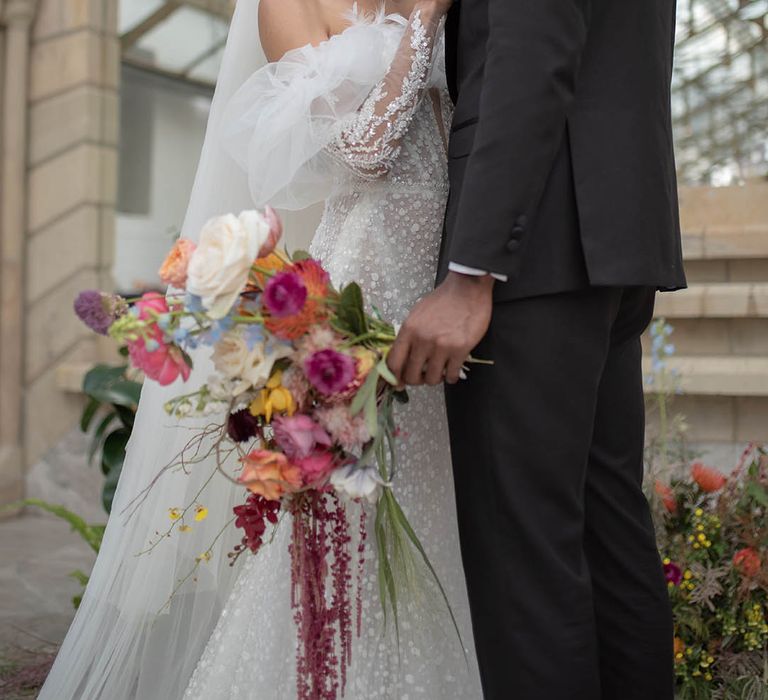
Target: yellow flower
[275, 380]
[184, 528]
[687, 574]
[201, 513]
[701, 537]
[205, 556]
[698, 512]
[274, 398]
[174, 513]
[666, 561]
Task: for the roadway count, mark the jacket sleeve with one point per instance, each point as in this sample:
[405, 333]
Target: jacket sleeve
[534, 52]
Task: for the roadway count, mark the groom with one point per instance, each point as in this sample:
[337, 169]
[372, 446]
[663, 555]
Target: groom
[561, 225]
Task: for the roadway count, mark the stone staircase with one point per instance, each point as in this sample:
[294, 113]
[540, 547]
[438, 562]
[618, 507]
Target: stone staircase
[721, 320]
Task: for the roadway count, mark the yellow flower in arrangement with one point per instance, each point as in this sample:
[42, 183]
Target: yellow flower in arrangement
[174, 513]
[185, 528]
[274, 398]
[204, 557]
[201, 513]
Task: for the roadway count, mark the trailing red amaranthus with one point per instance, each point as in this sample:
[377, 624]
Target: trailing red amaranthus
[322, 603]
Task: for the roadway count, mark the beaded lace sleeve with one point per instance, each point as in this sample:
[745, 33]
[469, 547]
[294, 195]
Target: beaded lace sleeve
[371, 139]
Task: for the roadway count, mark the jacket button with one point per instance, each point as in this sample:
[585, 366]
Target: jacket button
[513, 245]
[521, 220]
[518, 231]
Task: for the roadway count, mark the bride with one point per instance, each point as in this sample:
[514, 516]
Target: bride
[352, 109]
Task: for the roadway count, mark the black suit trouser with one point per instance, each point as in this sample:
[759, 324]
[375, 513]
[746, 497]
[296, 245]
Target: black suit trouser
[566, 587]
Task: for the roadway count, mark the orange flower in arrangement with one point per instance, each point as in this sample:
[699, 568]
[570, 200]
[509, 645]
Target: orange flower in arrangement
[173, 271]
[708, 479]
[270, 474]
[679, 647]
[747, 562]
[666, 495]
[294, 299]
[258, 277]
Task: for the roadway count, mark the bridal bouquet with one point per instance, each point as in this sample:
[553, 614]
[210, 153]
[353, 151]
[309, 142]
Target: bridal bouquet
[306, 400]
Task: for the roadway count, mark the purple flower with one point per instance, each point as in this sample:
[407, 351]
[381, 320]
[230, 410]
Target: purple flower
[242, 426]
[98, 310]
[672, 573]
[329, 371]
[285, 295]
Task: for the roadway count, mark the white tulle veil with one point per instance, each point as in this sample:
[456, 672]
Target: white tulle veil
[126, 641]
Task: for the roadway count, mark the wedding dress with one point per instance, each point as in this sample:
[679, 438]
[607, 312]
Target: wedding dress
[386, 166]
[360, 122]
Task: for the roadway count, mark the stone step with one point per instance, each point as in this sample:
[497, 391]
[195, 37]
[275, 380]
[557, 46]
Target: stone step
[715, 300]
[726, 242]
[717, 375]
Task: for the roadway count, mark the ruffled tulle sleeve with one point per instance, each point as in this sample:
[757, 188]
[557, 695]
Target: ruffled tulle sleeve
[321, 114]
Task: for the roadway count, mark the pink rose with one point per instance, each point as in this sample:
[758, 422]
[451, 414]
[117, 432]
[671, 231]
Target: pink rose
[317, 466]
[275, 232]
[299, 435]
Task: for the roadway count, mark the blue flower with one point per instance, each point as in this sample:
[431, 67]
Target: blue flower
[194, 303]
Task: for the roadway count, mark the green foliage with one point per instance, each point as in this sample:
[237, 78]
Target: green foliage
[351, 316]
[113, 398]
[92, 535]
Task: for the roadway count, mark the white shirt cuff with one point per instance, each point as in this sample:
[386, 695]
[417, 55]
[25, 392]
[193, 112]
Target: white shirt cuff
[464, 270]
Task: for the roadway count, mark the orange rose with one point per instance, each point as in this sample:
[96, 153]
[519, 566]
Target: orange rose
[708, 479]
[269, 474]
[173, 271]
[667, 497]
[747, 562]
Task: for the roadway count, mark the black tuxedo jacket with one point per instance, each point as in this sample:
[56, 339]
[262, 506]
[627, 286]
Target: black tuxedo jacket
[560, 159]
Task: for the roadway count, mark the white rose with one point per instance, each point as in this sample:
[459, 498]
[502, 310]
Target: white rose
[358, 482]
[218, 268]
[249, 367]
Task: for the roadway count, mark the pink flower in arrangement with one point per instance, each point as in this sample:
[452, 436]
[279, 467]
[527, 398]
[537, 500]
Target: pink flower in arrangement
[708, 479]
[275, 232]
[747, 562]
[672, 573]
[158, 360]
[299, 435]
[330, 371]
[316, 466]
[351, 432]
[150, 304]
[285, 294]
[173, 271]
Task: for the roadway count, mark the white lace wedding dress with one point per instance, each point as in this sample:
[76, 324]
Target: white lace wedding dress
[365, 115]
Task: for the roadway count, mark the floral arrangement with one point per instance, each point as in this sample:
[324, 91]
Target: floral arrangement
[306, 405]
[712, 534]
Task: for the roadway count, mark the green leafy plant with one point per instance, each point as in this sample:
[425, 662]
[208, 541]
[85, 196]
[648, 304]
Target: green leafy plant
[112, 401]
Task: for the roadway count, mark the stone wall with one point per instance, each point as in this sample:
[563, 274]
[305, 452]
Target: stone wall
[73, 132]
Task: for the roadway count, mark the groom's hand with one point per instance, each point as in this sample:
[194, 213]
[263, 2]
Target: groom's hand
[442, 330]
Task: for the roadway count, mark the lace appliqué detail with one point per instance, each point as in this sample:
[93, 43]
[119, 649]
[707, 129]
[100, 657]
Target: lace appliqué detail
[370, 143]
